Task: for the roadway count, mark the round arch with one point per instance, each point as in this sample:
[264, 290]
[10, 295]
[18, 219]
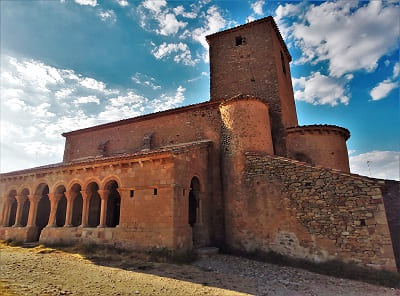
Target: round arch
[25, 206]
[61, 209]
[72, 183]
[91, 189]
[43, 207]
[40, 186]
[113, 203]
[77, 203]
[57, 184]
[10, 208]
[89, 181]
[109, 178]
[199, 178]
[25, 188]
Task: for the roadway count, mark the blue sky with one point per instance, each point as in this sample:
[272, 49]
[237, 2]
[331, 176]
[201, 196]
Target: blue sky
[66, 65]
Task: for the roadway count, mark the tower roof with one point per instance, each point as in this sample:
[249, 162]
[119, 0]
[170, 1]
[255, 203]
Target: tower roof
[268, 19]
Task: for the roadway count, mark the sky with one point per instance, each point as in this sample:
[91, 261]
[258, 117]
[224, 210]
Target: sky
[71, 64]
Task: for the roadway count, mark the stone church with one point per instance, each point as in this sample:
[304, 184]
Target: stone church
[236, 172]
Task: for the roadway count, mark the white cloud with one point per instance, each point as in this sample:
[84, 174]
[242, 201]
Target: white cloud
[37, 148]
[258, 7]
[349, 37]
[155, 5]
[86, 100]
[180, 51]
[14, 104]
[129, 105]
[123, 3]
[213, 23]
[107, 15]
[146, 80]
[382, 164]
[319, 89]
[169, 24]
[39, 102]
[87, 2]
[63, 93]
[92, 84]
[203, 74]
[250, 18]
[396, 70]
[166, 102]
[158, 11]
[180, 10]
[383, 89]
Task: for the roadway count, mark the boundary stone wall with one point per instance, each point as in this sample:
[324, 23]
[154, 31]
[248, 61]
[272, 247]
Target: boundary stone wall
[333, 215]
[391, 199]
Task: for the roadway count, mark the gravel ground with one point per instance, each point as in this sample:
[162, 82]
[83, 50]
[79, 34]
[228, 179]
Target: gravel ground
[43, 271]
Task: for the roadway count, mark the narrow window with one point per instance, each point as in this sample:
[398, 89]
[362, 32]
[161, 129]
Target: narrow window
[239, 40]
[362, 222]
[183, 192]
[132, 193]
[283, 63]
[155, 191]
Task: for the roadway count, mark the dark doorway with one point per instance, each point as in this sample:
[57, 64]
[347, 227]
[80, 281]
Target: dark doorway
[94, 205]
[61, 211]
[25, 212]
[43, 210]
[113, 205]
[77, 205]
[13, 212]
[194, 201]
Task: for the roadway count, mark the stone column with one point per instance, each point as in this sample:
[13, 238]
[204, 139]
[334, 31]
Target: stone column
[6, 211]
[85, 209]
[34, 201]
[20, 206]
[54, 200]
[124, 195]
[104, 194]
[70, 196]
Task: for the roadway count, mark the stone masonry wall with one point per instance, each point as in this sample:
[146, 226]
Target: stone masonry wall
[313, 213]
[391, 198]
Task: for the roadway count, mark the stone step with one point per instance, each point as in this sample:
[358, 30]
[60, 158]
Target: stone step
[206, 251]
[30, 244]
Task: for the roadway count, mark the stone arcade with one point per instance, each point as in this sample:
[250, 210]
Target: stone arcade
[236, 171]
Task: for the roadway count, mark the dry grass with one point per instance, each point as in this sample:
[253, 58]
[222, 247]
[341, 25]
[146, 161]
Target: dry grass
[5, 289]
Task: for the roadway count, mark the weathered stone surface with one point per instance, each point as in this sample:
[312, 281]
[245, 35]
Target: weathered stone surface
[218, 173]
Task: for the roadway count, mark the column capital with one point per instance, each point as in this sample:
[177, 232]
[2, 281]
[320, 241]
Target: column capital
[70, 195]
[85, 195]
[21, 198]
[103, 193]
[11, 198]
[34, 198]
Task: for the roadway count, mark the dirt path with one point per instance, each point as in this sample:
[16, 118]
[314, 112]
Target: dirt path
[42, 271]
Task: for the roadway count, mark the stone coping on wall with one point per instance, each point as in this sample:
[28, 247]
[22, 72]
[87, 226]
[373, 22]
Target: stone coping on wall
[262, 20]
[317, 167]
[162, 152]
[198, 106]
[320, 128]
